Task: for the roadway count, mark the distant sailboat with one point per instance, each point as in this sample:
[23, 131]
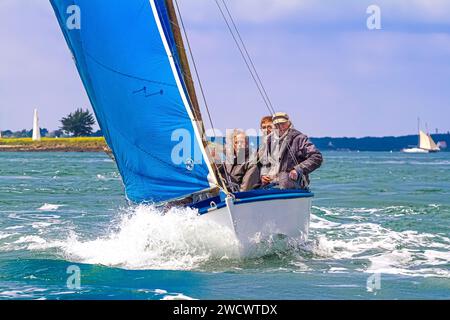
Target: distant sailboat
[36, 128]
[130, 56]
[426, 144]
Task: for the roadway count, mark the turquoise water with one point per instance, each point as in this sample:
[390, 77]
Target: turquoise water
[379, 215]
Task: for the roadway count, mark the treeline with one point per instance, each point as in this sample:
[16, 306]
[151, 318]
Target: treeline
[44, 133]
[80, 124]
[377, 144]
[77, 124]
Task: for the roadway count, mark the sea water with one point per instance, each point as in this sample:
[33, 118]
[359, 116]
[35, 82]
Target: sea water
[380, 229]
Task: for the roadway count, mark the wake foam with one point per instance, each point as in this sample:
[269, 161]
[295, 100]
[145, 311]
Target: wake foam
[145, 238]
[148, 239]
[387, 251]
[49, 207]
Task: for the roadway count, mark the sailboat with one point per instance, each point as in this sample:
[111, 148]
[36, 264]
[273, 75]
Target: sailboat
[426, 144]
[132, 61]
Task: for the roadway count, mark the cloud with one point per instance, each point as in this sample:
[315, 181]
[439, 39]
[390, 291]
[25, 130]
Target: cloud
[318, 13]
[267, 10]
[317, 59]
[247, 11]
[36, 67]
[435, 11]
[354, 83]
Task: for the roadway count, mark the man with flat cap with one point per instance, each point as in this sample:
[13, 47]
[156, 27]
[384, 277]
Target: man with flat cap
[290, 156]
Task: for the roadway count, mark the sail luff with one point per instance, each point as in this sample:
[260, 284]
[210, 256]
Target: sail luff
[190, 87]
[424, 141]
[198, 129]
[186, 71]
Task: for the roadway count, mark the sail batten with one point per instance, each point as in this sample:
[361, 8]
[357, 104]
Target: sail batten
[129, 73]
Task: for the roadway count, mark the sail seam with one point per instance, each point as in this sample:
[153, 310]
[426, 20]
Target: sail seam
[129, 75]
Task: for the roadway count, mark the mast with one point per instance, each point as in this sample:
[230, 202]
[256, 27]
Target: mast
[184, 63]
[187, 76]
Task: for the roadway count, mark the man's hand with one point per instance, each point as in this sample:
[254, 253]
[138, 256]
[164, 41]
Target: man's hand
[293, 175]
[265, 180]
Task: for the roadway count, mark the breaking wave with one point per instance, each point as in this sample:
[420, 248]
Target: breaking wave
[144, 238]
[387, 251]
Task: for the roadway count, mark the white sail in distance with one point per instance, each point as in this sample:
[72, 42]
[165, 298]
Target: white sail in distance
[426, 142]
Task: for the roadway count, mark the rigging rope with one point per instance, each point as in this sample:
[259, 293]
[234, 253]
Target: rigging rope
[201, 90]
[255, 73]
[245, 59]
[249, 56]
[195, 68]
[248, 61]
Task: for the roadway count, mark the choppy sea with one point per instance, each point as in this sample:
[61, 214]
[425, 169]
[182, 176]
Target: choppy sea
[380, 229]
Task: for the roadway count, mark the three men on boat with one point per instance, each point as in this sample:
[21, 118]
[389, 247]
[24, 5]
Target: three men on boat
[284, 160]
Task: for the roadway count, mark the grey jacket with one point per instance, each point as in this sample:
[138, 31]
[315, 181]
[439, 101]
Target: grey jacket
[244, 177]
[307, 157]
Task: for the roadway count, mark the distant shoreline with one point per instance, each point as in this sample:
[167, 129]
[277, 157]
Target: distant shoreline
[87, 144]
[50, 149]
[98, 144]
[386, 144]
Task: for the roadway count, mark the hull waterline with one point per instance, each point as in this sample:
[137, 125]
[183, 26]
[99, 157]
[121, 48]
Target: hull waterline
[259, 220]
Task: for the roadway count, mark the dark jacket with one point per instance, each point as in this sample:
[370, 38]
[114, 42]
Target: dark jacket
[244, 176]
[307, 157]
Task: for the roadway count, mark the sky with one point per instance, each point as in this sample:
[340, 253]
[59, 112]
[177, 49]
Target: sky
[317, 58]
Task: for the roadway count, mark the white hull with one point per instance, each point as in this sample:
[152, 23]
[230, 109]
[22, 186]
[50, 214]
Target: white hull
[255, 222]
[415, 150]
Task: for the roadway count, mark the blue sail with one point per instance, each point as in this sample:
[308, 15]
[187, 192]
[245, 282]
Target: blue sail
[126, 58]
[166, 25]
